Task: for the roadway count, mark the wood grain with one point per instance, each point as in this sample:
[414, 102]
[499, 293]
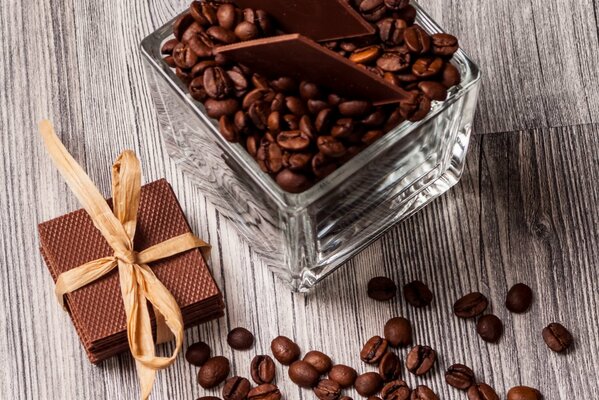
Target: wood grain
[526, 210]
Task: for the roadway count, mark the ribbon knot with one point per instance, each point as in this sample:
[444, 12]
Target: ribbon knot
[139, 284]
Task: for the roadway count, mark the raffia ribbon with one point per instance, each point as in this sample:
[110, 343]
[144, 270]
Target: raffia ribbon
[138, 283]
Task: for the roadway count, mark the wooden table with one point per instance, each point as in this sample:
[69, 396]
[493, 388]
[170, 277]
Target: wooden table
[526, 209]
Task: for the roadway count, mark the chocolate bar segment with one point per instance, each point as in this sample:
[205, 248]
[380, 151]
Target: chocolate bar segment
[320, 20]
[300, 58]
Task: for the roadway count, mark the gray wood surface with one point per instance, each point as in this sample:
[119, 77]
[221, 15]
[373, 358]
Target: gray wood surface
[526, 209]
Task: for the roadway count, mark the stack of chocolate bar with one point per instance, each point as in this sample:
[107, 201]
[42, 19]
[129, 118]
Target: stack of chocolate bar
[97, 309]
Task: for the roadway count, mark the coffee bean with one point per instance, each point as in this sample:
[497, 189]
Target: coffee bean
[213, 372]
[293, 140]
[266, 391]
[299, 161]
[396, 390]
[240, 339]
[217, 108]
[519, 298]
[374, 119]
[181, 25]
[408, 14]
[197, 354]
[394, 62]
[524, 393]
[217, 83]
[246, 31]
[557, 337]
[354, 108]
[417, 294]
[320, 361]
[327, 390]
[262, 369]
[427, 67]
[284, 350]
[236, 388]
[415, 107]
[202, 45]
[471, 305]
[444, 44]
[196, 89]
[183, 75]
[417, 40]
[372, 136]
[342, 374]
[296, 105]
[198, 70]
[423, 392]
[191, 32]
[372, 10]
[203, 13]
[303, 374]
[433, 90]
[459, 376]
[330, 147]
[293, 182]
[270, 160]
[307, 127]
[259, 18]
[323, 166]
[390, 366]
[227, 129]
[169, 46]
[489, 328]
[451, 76]
[365, 55]
[391, 31]
[170, 61]
[226, 15]
[482, 391]
[343, 128]
[381, 288]
[183, 56]
[398, 332]
[396, 4]
[420, 360]
[309, 91]
[368, 384]
[259, 112]
[316, 106]
[284, 84]
[374, 350]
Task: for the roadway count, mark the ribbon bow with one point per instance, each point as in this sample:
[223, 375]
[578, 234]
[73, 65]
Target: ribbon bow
[138, 283]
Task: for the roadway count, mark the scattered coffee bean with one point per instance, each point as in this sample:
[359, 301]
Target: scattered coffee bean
[381, 288]
[236, 388]
[524, 393]
[423, 392]
[368, 384]
[471, 305]
[327, 390]
[284, 350]
[459, 376]
[420, 360]
[197, 354]
[213, 372]
[490, 328]
[519, 298]
[398, 332]
[320, 361]
[417, 294]
[303, 374]
[390, 366]
[374, 350]
[482, 391]
[342, 374]
[240, 339]
[396, 390]
[262, 369]
[557, 337]
[266, 391]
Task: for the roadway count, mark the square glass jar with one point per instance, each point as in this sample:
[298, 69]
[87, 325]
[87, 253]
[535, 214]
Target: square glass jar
[304, 237]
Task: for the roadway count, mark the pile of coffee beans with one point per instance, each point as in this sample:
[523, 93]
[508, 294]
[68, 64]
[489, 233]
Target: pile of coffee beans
[300, 132]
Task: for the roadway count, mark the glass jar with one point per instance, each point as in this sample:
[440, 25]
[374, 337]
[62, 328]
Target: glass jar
[304, 237]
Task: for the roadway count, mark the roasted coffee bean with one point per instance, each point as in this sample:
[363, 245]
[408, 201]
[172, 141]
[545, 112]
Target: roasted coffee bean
[227, 129]
[293, 182]
[320, 361]
[252, 97]
[343, 128]
[221, 35]
[284, 84]
[306, 126]
[459, 376]
[246, 31]
[309, 91]
[217, 83]
[334, 99]
[394, 62]
[202, 45]
[293, 140]
[236, 388]
[372, 10]
[298, 162]
[450, 76]
[270, 160]
[259, 113]
[193, 30]
[266, 391]
[284, 349]
[278, 103]
[183, 75]
[433, 90]
[519, 298]
[259, 18]
[327, 390]
[168, 46]
[196, 89]
[391, 31]
[365, 55]
[213, 372]
[557, 337]
[217, 108]
[330, 147]
[323, 120]
[372, 136]
[203, 13]
[396, 390]
[291, 122]
[417, 40]
[183, 56]
[426, 67]
[295, 105]
[201, 67]
[316, 106]
[407, 78]
[226, 14]
[423, 392]
[368, 384]
[262, 369]
[395, 118]
[398, 332]
[444, 44]
[417, 294]
[396, 4]
[181, 25]
[342, 374]
[170, 61]
[354, 108]
[407, 13]
[489, 328]
[415, 107]
[482, 391]
[274, 121]
[240, 339]
[420, 360]
[374, 350]
[374, 119]
[303, 374]
[471, 305]
[242, 123]
[390, 366]
[524, 393]
[197, 354]
[381, 288]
